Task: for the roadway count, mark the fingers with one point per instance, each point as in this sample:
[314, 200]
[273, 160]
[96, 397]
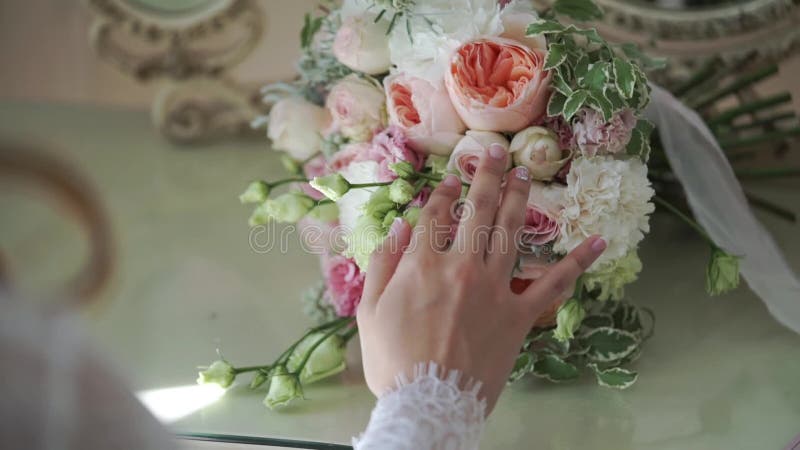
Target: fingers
[502, 250]
[432, 233]
[483, 198]
[559, 282]
[384, 261]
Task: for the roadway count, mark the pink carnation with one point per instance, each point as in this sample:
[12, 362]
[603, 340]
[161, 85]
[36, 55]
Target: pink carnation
[391, 146]
[566, 140]
[595, 136]
[345, 283]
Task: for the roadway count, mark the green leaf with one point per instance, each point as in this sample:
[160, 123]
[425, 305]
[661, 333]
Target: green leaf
[624, 77]
[522, 366]
[574, 103]
[544, 26]
[310, 28]
[591, 35]
[581, 10]
[632, 51]
[556, 55]
[581, 67]
[615, 377]
[609, 344]
[560, 85]
[556, 104]
[638, 146]
[626, 317]
[555, 369]
[616, 100]
[602, 104]
[597, 321]
[595, 77]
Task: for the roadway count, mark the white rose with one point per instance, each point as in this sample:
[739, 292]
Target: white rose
[295, 126]
[516, 17]
[363, 44]
[537, 148]
[358, 108]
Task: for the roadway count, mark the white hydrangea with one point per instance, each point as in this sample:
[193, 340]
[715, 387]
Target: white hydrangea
[350, 204]
[426, 53]
[608, 197]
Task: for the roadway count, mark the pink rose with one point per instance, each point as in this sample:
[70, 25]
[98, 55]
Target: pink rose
[467, 154]
[363, 44]
[595, 136]
[345, 283]
[391, 146]
[357, 108]
[424, 112]
[540, 227]
[497, 84]
[347, 154]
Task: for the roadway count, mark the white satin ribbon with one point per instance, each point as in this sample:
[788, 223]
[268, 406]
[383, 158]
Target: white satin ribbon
[719, 205]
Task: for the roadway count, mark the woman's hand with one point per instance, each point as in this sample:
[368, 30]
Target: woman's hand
[429, 299]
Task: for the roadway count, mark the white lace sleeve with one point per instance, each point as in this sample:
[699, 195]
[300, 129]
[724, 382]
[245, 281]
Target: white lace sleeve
[431, 411]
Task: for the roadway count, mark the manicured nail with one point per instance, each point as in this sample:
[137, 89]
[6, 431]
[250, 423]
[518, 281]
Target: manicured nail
[522, 173]
[598, 245]
[451, 180]
[394, 230]
[497, 151]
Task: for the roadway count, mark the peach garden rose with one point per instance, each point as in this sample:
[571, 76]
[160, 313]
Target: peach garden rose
[498, 84]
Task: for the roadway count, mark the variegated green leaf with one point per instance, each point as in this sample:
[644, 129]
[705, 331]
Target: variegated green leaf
[555, 106]
[544, 26]
[595, 78]
[574, 103]
[602, 104]
[556, 55]
[615, 377]
[624, 77]
[597, 321]
[523, 366]
[553, 368]
[608, 344]
[560, 85]
[581, 10]
[649, 62]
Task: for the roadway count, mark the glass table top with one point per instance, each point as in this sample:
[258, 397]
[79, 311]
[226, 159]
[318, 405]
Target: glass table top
[719, 373]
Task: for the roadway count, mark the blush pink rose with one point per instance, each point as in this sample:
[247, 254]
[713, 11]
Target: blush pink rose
[347, 154]
[362, 44]
[497, 84]
[345, 283]
[357, 107]
[540, 227]
[467, 155]
[424, 112]
[391, 146]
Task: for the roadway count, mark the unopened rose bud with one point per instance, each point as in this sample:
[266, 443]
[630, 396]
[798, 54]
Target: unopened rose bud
[333, 186]
[219, 372]
[537, 148]
[283, 388]
[256, 192]
[401, 191]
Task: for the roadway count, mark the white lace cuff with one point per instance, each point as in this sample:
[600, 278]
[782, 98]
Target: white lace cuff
[432, 411]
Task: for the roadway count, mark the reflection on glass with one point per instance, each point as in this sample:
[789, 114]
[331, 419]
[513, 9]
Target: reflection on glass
[171, 404]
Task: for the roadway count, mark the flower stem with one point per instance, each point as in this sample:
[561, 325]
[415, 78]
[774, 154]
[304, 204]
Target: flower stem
[368, 185]
[427, 176]
[275, 184]
[339, 325]
[239, 370]
[689, 221]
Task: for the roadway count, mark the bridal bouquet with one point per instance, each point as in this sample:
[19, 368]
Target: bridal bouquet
[395, 94]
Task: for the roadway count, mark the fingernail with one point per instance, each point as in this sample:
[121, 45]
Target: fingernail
[451, 180]
[522, 173]
[497, 151]
[598, 245]
[394, 230]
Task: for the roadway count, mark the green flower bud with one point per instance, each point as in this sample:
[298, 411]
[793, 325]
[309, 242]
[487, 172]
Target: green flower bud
[379, 203]
[258, 379]
[722, 273]
[291, 165]
[568, 319]
[367, 235]
[219, 372]
[401, 191]
[325, 212]
[283, 388]
[289, 207]
[437, 164]
[403, 169]
[412, 215]
[333, 186]
[256, 192]
[260, 216]
[326, 360]
[389, 218]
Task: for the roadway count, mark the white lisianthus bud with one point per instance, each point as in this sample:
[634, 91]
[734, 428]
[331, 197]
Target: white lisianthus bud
[256, 192]
[401, 191]
[362, 44]
[568, 319]
[289, 207]
[722, 273]
[283, 388]
[332, 186]
[537, 148]
[326, 360]
[219, 372]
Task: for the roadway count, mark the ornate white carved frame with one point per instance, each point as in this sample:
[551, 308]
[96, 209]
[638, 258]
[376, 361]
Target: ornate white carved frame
[192, 53]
